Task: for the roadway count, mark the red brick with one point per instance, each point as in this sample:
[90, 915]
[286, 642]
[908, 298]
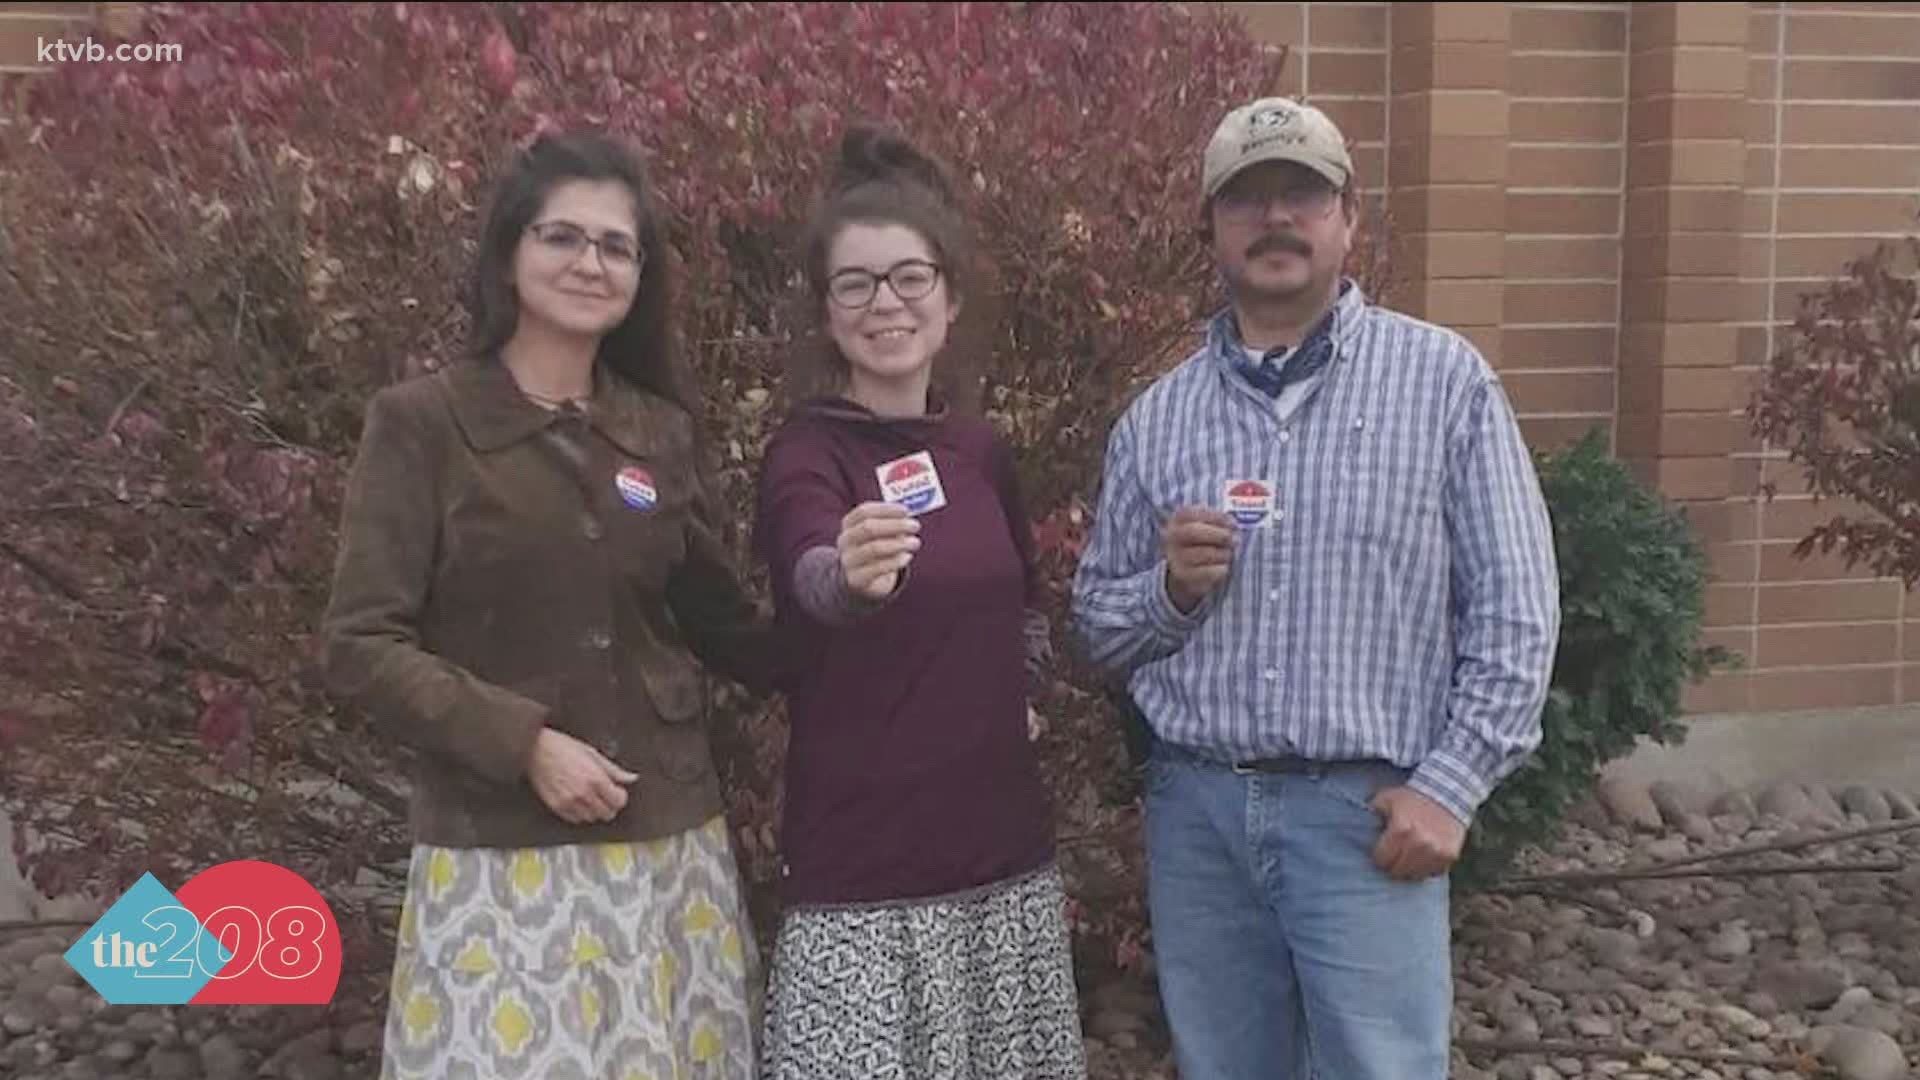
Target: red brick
[1359, 121]
[1729, 605]
[1347, 73]
[1693, 478]
[1820, 646]
[1661, 118]
[1846, 213]
[1896, 168]
[1555, 432]
[1679, 345]
[1763, 78]
[1680, 299]
[1710, 70]
[1763, 32]
[1731, 563]
[1778, 563]
[1726, 692]
[1474, 208]
[1279, 24]
[1452, 159]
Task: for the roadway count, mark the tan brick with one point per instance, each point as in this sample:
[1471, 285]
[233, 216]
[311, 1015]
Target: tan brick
[1451, 159]
[1895, 168]
[1731, 563]
[1729, 605]
[1853, 80]
[1695, 389]
[1656, 211]
[1359, 121]
[1485, 339]
[1450, 65]
[1370, 165]
[1464, 208]
[1566, 121]
[1688, 254]
[1564, 166]
[1349, 26]
[1636, 427]
[1471, 21]
[1719, 521]
[1463, 255]
[1819, 646]
[1752, 346]
[1817, 688]
[1560, 257]
[1528, 212]
[1910, 652]
[1751, 473]
[1820, 256]
[1698, 435]
[1568, 76]
[1347, 73]
[1680, 299]
[1561, 302]
[1278, 24]
[1675, 345]
[1557, 432]
[1560, 392]
[1846, 601]
[1760, 166]
[1793, 519]
[1760, 121]
[1763, 78]
[1847, 35]
[1737, 640]
[1464, 303]
[1596, 30]
[1689, 70]
[1663, 118]
[1846, 212]
[1558, 347]
[1778, 563]
[1840, 125]
[1694, 478]
[1689, 162]
[1763, 32]
[1724, 692]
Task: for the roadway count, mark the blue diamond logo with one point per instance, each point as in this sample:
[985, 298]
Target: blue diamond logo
[147, 950]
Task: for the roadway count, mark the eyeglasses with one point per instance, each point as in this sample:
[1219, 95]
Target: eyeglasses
[913, 279]
[1308, 201]
[618, 251]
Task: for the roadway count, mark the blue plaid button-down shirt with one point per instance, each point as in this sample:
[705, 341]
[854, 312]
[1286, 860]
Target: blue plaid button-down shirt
[1399, 601]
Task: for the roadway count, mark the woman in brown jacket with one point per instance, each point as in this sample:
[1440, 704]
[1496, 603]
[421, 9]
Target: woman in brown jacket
[529, 566]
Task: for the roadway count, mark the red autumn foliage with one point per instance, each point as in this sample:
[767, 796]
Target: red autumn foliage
[210, 266]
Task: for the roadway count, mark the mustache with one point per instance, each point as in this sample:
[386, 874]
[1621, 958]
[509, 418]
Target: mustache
[1280, 242]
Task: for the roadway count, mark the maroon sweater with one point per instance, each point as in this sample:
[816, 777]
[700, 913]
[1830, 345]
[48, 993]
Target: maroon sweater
[909, 772]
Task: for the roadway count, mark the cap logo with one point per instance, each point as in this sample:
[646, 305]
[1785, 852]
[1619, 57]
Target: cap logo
[1270, 118]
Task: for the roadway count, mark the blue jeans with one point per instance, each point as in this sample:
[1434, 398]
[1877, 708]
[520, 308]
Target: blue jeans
[1284, 953]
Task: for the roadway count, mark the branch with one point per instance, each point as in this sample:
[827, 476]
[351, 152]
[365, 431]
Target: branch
[1625, 1052]
[1605, 876]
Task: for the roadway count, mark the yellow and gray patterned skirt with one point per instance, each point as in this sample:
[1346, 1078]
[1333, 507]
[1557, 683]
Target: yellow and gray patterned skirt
[587, 962]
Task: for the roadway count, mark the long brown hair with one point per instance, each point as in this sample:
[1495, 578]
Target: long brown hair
[641, 349]
[882, 179]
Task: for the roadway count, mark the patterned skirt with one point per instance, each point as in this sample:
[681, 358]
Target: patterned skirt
[630, 961]
[977, 986]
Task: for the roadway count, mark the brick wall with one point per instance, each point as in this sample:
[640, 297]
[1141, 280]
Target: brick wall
[1619, 203]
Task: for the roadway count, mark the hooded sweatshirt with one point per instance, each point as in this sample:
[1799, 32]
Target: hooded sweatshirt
[909, 771]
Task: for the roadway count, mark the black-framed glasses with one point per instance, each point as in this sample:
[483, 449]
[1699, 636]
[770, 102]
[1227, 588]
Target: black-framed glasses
[910, 279]
[618, 250]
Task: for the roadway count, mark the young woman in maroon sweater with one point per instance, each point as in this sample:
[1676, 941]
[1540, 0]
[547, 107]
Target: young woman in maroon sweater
[924, 936]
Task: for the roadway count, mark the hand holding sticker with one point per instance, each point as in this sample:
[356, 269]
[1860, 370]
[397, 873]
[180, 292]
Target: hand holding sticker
[877, 541]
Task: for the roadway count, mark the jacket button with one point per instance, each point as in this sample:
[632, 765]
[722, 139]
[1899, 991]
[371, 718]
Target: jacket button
[599, 639]
[591, 526]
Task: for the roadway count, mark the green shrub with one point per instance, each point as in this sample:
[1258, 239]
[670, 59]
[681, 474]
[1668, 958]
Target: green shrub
[1632, 594]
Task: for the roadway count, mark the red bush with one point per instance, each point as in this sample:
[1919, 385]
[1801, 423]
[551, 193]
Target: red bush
[211, 265]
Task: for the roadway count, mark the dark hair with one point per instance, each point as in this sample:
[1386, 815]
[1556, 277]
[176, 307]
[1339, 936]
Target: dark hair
[641, 349]
[882, 179]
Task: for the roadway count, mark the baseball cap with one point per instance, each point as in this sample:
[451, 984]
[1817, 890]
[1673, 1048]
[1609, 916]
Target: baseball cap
[1275, 129]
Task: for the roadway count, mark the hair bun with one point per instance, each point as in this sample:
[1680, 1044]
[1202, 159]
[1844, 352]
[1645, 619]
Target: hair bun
[871, 154]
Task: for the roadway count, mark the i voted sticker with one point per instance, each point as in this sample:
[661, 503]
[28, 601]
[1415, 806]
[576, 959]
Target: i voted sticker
[1249, 503]
[912, 482]
[636, 488]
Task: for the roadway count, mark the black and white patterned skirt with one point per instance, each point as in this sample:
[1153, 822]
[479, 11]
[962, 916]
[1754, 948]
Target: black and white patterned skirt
[977, 986]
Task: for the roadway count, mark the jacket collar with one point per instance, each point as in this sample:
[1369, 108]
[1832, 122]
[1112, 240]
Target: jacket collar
[493, 414]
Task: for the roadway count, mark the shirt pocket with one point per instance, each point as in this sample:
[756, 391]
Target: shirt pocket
[1393, 482]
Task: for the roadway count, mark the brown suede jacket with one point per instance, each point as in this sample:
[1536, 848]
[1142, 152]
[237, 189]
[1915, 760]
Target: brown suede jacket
[505, 567]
